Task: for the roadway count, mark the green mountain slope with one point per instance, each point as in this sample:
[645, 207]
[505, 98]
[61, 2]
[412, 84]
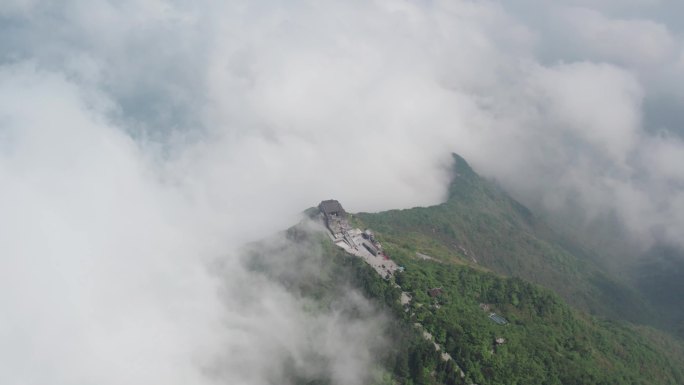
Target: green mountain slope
[484, 253]
[544, 342]
[482, 226]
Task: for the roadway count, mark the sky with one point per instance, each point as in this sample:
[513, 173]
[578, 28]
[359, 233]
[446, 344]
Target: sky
[141, 141]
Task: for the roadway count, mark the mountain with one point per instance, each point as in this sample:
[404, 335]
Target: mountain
[504, 298]
[543, 340]
[481, 226]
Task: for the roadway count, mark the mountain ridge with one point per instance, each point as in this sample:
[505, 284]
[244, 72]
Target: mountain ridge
[477, 254]
[479, 224]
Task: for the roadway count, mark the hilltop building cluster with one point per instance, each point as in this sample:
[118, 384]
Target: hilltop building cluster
[363, 244]
[355, 241]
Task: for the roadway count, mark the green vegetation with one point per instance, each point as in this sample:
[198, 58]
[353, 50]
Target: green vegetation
[480, 225]
[546, 341]
[311, 268]
[479, 233]
[487, 254]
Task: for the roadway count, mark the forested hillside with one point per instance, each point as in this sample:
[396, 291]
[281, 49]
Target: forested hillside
[504, 298]
[544, 342]
[481, 226]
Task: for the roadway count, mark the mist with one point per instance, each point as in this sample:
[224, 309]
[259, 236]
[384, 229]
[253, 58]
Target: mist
[142, 141]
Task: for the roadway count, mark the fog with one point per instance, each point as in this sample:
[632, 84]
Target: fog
[142, 141]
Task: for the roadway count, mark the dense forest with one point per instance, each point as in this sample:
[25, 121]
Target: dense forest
[544, 342]
[481, 226]
[496, 297]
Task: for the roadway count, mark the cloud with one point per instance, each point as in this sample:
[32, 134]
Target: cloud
[106, 264]
[634, 42]
[141, 141]
[99, 282]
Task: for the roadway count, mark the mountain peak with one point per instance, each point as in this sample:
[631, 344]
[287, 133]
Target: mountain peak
[461, 166]
[465, 181]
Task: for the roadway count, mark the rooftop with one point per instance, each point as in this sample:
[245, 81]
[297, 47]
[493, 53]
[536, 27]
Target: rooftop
[331, 207]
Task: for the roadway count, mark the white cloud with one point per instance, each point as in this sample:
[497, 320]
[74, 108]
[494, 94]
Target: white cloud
[139, 140]
[596, 104]
[105, 263]
[632, 42]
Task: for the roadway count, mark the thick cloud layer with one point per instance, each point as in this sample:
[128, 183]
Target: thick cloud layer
[140, 140]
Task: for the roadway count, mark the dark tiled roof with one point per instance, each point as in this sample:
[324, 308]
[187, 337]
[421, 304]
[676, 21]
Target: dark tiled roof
[331, 206]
